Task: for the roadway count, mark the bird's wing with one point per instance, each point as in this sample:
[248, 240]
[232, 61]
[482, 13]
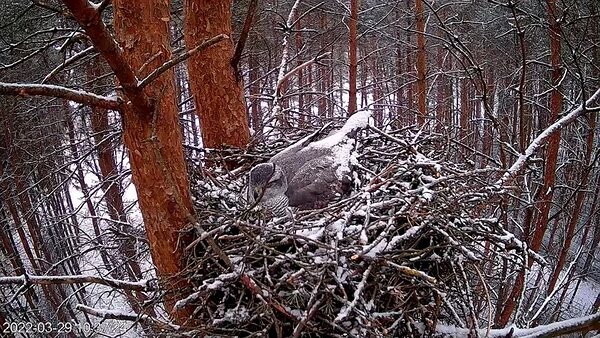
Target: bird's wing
[317, 171]
[299, 145]
[349, 130]
[315, 184]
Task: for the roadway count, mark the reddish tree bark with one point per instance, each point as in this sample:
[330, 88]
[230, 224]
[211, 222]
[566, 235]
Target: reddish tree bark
[421, 83]
[218, 94]
[464, 109]
[9, 249]
[352, 56]
[547, 190]
[151, 126]
[153, 138]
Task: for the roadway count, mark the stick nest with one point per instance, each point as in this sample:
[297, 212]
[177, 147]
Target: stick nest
[408, 247]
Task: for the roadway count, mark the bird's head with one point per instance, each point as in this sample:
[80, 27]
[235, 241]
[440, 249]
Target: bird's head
[267, 183]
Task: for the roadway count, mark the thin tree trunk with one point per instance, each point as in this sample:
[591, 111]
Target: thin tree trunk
[464, 110]
[322, 71]
[421, 83]
[409, 118]
[255, 115]
[352, 56]
[9, 249]
[300, 74]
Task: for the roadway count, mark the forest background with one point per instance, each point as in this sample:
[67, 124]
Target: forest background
[103, 103]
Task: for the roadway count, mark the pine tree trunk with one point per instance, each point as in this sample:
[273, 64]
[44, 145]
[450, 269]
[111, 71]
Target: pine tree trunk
[153, 139]
[352, 56]
[555, 108]
[253, 77]
[421, 85]
[217, 90]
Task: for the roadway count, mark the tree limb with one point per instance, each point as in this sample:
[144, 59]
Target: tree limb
[541, 139]
[91, 21]
[239, 47]
[582, 324]
[316, 59]
[128, 316]
[110, 314]
[25, 279]
[78, 96]
[182, 57]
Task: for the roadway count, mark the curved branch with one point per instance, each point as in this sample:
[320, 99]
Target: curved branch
[91, 21]
[285, 77]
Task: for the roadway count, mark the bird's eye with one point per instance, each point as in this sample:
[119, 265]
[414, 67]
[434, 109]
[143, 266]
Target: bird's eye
[256, 195]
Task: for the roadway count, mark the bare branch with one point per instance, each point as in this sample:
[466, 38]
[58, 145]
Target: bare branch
[91, 21]
[128, 316]
[284, 78]
[78, 96]
[180, 58]
[239, 47]
[110, 314]
[582, 324]
[541, 139]
[142, 285]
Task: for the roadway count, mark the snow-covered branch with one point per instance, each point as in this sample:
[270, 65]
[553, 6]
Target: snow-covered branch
[581, 324]
[142, 285]
[286, 49]
[110, 314]
[539, 141]
[285, 55]
[78, 96]
[128, 316]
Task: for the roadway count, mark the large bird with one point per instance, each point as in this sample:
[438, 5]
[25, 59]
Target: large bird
[307, 174]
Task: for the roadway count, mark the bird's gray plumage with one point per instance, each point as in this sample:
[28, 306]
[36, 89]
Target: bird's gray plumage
[309, 173]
